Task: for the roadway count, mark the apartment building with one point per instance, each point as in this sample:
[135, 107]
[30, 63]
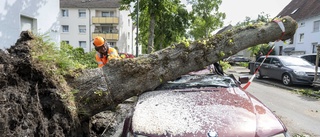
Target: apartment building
[39, 16]
[82, 20]
[307, 36]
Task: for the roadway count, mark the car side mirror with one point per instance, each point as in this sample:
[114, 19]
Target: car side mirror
[243, 79]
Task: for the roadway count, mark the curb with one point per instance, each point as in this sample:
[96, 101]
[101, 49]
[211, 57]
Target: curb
[242, 71]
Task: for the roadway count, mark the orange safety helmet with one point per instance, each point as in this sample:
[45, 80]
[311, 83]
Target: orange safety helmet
[98, 41]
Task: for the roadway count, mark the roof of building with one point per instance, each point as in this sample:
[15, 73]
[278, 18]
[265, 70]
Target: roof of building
[89, 3]
[301, 9]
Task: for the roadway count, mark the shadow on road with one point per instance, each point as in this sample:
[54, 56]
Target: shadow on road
[279, 83]
[306, 92]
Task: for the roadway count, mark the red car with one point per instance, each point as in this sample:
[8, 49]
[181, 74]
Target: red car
[126, 55]
[202, 105]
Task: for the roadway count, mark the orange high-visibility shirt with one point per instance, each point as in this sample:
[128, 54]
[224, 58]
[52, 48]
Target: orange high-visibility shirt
[103, 60]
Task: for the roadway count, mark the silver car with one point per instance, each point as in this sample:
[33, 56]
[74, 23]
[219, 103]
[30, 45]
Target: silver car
[290, 70]
[309, 57]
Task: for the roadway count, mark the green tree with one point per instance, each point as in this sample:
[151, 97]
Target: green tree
[161, 22]
[262, 18]
[206, 17]
[265, 48]
[171, 28]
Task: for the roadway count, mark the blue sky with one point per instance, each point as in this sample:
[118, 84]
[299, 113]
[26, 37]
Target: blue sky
[237, 10]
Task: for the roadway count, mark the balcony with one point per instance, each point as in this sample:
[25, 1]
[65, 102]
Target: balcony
[108, 36]
[105, 20]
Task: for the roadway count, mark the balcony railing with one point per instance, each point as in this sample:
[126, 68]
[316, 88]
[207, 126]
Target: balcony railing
[108, 36]
[105, 20]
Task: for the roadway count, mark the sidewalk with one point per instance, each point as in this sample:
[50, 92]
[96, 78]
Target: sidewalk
[238, 70]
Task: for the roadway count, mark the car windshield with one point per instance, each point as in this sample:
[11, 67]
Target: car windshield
[292, 61]
[199, 81]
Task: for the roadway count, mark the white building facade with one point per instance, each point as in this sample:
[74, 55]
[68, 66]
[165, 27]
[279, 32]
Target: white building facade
[305, 40]
[81, 21]
[307, 35]
[38, 16]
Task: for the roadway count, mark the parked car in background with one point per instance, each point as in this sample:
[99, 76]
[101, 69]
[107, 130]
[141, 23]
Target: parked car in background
[126, 55]
[290, 70]
[309, 57]
[234, 60]
[201, 104]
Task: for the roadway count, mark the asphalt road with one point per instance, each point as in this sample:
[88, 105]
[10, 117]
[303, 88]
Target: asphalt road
[300, 114]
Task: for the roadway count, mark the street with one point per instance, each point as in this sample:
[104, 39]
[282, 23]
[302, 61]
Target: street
[300, 114]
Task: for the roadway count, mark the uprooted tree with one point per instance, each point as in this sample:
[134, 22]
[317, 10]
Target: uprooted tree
[103, 89]
[123, 79]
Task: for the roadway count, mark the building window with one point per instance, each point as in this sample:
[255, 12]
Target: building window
[28, 23]
[82, 13]
[316, 26]
[112, 44]
[65, 28]
[129, 22]
[314, 47]
[65, 13]
[301, 37]
[109, 29]
[280, 50]
[128, 35]
[107, 14]
[82, 44]
[82, 28]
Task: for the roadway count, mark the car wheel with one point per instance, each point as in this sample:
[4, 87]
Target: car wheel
[258, 75]
[286, 79]
[315, 88]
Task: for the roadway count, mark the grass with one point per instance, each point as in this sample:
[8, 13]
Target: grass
[309, 92]
[57, 63]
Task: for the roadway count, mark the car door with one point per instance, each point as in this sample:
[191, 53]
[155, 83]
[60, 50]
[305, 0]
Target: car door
[265, 67]
[275, 71]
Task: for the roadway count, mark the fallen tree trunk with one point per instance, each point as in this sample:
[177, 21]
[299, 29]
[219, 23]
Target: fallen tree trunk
[105, 88]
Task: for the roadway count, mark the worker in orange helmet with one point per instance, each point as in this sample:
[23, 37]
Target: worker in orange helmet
[104, 52]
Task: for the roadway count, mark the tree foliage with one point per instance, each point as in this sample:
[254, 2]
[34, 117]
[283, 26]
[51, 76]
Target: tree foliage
[262, 18]
[161, 22]
[265, 48]
[205, 17]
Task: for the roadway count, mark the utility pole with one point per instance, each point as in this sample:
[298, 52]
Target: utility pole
[137, 37]
[90, 35]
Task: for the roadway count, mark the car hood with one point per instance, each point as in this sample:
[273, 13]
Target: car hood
[303, 68]
[200, 112]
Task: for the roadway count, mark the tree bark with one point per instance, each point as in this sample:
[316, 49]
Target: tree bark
[151, 32]
[102, 89]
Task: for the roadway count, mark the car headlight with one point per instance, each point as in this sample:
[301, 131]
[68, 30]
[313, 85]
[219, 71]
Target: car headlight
[300, 73]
